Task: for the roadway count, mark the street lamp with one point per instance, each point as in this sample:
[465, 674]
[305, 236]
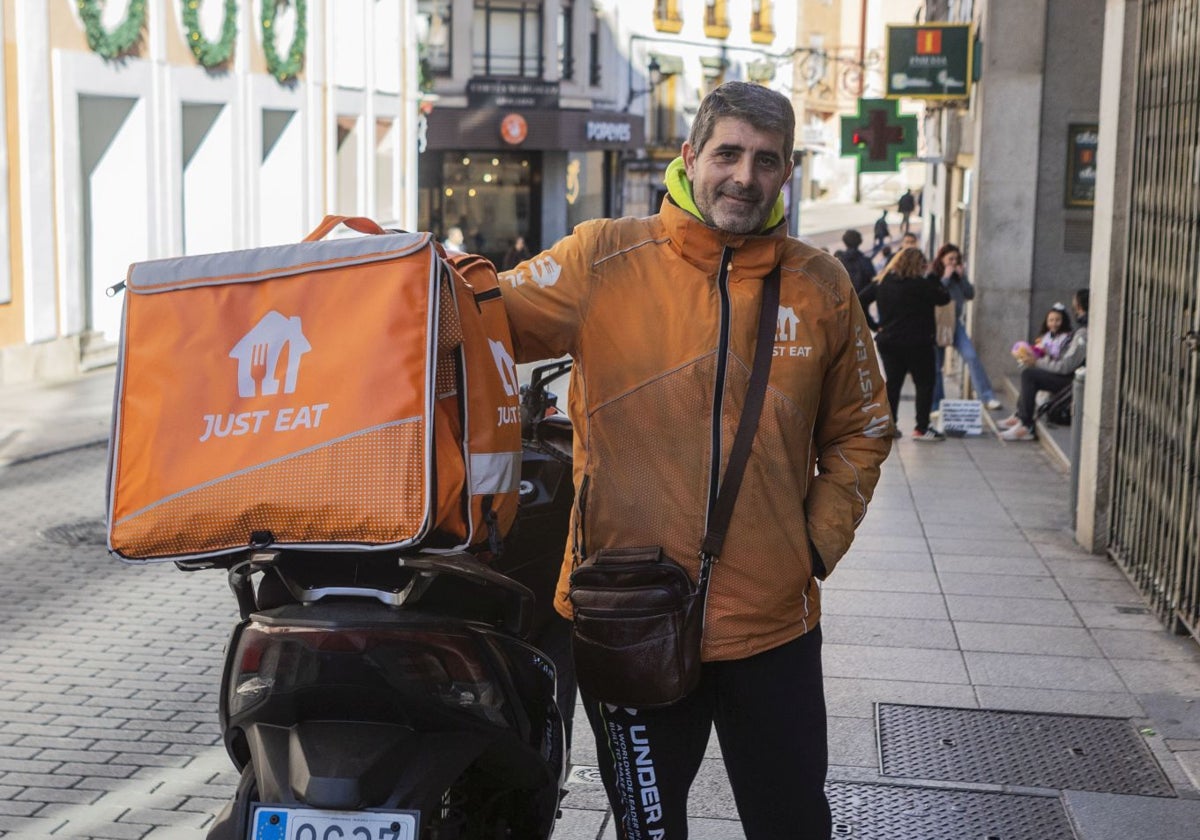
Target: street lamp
[654, 74]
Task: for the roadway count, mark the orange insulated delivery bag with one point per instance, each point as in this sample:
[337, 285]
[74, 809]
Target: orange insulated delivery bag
[353, 393]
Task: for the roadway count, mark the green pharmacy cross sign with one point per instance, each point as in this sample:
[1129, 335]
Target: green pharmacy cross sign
[878, 136]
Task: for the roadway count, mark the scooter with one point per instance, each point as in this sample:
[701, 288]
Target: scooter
[407, 696]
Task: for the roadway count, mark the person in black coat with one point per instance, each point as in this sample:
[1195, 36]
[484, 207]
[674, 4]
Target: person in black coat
[857, 264]
[905, 297]
[515, 255]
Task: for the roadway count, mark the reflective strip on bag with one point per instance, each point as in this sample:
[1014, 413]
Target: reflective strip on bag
[495, 472]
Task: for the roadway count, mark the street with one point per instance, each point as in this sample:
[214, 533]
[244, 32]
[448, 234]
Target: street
[964, 589]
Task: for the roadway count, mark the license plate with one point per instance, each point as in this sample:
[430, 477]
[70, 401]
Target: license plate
[271, 822]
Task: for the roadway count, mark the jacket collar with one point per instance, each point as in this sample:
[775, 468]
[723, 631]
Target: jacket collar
[702, 245]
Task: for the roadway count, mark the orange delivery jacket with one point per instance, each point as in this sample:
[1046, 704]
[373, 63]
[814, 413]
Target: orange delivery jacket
[639, 304]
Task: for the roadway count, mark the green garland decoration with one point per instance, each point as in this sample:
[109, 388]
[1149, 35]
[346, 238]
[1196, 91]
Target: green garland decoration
[208, 53]
[121, 40]
[285, 70]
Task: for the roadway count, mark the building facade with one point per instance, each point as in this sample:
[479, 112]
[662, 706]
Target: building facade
[139, 129]
[675, 52]
[522, 125]
[1073, 165]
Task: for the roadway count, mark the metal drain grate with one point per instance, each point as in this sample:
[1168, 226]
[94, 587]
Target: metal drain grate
[1017, 748]
[78, 534]
[898, 812]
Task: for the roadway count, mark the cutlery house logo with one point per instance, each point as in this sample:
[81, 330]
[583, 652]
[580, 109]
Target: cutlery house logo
[258, 355]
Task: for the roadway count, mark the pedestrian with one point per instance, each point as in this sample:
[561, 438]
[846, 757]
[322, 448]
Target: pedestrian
[1047, 374]
[1052, 337]
[906, 205]
[882, 232]
[517, 253]
[881, 260]
[905, 296]
[455, 242]
[660, 314]
[857, 264]
[948, 267]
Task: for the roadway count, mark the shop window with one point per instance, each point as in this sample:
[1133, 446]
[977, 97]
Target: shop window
[433, 36]
[713, 70]
[662, 129]
[666, 16]
[507, 38]
[566, 40]
[346, 166]
[594, 75]
[816, 64]
[386, 208]
[490, 195]
[762, 21]
[716, 19]
[585, 187]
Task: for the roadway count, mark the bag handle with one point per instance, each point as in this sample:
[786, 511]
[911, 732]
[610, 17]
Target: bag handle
[735, 469]
[359, 223]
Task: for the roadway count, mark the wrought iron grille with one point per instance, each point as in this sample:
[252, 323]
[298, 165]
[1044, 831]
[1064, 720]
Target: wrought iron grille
[1155, 525]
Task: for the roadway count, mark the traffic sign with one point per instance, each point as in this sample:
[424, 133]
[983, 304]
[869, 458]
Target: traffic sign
[878, 136]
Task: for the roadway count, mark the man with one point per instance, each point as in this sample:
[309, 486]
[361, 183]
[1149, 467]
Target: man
[906, 205]
[1046, 374]
[882, 232]
[660, 316]
[857, 264]
[910, 240]
[455, 242]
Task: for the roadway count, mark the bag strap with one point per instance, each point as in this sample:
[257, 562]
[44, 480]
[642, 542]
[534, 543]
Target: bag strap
[735, 469]
[358, 223]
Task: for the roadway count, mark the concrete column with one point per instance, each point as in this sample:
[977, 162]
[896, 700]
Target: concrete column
[1109, 244]
[1008, 107]
[35, 138]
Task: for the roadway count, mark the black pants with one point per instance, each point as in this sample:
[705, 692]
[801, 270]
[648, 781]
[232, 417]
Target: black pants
[918, 362]
[554, 640]
[769, 713]
[1033, 380]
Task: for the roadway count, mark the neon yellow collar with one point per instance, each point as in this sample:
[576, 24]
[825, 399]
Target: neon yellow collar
[680, 190]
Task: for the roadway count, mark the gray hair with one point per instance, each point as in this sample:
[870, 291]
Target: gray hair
[763, 108]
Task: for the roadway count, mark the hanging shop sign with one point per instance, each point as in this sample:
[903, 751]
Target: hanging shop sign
[878, 135]
[1081, 164]
[929, 61]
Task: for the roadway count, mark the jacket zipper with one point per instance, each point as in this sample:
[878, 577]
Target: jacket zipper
[714, 471]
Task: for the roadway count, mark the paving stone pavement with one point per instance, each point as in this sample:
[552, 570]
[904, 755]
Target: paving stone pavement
[963, 589]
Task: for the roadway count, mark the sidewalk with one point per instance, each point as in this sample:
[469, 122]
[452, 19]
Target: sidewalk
[963, 591]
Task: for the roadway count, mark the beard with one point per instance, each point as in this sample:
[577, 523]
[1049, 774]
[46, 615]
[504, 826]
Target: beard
[734, 210]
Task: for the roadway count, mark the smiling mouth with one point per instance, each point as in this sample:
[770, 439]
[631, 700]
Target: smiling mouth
[741, 199]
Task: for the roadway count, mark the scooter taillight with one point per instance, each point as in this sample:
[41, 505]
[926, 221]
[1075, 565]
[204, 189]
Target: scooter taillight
[369, 671]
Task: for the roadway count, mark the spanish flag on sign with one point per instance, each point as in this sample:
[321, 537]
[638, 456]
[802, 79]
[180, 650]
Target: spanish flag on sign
[929, 41]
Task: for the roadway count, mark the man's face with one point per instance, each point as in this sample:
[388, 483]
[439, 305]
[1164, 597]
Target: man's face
[737, 176]
[909, 241]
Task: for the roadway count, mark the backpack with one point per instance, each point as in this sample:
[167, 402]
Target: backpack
[858, 266]
[356, 393]
[1057, 409]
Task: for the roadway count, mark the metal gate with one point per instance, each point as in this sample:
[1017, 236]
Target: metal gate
[1155, 524]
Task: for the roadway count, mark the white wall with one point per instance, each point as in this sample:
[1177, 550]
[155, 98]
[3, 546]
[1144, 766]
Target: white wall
[208, 200]
[141, 158]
